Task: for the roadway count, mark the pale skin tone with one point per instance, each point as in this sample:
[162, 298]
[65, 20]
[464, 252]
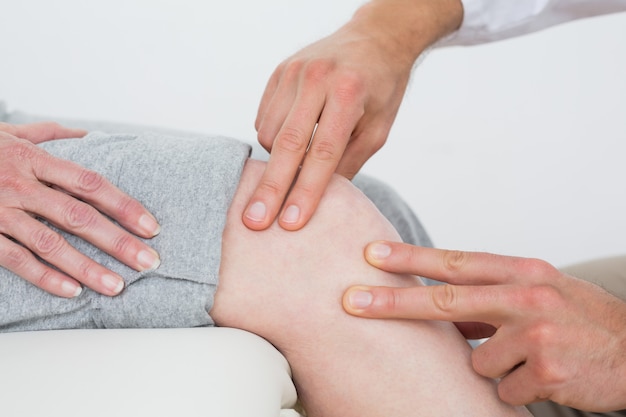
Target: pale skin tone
[552, 336]
[350, 85]
[34, 185]
[342, 365]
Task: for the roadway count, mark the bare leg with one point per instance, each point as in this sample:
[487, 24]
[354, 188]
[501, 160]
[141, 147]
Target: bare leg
[287, 287]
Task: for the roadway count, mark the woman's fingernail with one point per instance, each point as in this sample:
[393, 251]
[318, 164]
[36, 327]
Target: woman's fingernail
[256, 212]
[291, 214]
[360, 299]
[379, 250]
[113, 283]
[148, 259]
[149, 225]
[71, 289]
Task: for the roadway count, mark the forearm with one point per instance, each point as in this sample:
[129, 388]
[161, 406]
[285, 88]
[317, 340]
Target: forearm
[408, 27]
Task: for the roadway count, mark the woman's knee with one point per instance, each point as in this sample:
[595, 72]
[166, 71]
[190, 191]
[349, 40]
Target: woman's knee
[274, 278]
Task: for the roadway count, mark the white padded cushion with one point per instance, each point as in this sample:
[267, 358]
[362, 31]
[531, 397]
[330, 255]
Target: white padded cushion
[143, 372]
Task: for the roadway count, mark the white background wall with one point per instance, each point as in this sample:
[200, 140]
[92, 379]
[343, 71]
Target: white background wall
[515, 147]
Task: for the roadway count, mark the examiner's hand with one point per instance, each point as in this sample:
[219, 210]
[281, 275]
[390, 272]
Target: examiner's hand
[328, 109]
[35, 185]
[553, 336]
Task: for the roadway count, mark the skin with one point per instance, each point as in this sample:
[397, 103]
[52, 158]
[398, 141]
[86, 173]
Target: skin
[347, 88]
[552, 336]
[35, 185]
[342, 365]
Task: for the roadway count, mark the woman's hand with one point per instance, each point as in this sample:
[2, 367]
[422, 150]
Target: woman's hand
[552, 336]
[35, 185]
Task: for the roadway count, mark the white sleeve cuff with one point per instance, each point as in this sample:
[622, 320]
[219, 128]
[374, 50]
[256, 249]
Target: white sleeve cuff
[492, 20]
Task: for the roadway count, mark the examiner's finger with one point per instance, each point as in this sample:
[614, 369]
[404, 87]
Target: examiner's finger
[333, 132]
[440, 302]
[266, 99]
[277, 106]
[360, 148]
[288, 150]
[451, 266]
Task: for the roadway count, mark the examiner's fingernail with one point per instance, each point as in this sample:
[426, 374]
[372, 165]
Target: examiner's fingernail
[291, 214]
[113, 283]
[148, 259]
[379, 250]
[360, 299]
[71, 289]
[149, 225]
[256, 212]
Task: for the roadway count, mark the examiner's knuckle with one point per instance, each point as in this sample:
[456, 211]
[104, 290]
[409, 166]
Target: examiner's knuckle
[454, 260]
[536, 267]
[323, 150]
[377, 143]
[264, 137]
[444, 298]
[304, 190]
[350, 88]
[479, 360]
[543, 334]
[291, 140]
[549, 374]
[318, 70]
[271, 188]
[291, 69]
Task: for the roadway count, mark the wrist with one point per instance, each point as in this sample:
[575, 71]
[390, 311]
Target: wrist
[408, 27]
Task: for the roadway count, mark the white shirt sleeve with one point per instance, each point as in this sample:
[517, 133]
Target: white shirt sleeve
[491, 20]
